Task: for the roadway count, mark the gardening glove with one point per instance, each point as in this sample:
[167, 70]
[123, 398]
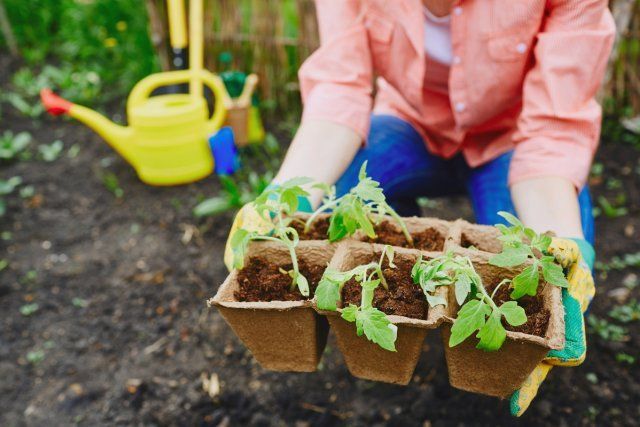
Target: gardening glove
[249, 219]
[576, 256]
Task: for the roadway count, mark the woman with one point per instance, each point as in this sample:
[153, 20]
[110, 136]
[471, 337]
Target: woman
[492, 97]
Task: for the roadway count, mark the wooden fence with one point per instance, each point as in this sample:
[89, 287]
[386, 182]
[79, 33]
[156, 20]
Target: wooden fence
[273, 37]
[269, 37]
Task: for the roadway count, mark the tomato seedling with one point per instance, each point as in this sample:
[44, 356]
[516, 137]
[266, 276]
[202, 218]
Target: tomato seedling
[277, 205]
[374, 323]
[479, 313]
[362, 207]
[520, 244]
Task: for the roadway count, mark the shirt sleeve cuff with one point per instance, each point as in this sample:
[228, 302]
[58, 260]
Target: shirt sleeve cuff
[537, 158]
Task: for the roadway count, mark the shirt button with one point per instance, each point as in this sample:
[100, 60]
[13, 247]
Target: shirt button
[460, 106]
[457, 59]
[521, 47]
[457, 10]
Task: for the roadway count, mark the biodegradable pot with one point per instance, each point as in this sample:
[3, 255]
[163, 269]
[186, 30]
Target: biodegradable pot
[501, 372]
[363, 358]
[481, 237]
[281, 335]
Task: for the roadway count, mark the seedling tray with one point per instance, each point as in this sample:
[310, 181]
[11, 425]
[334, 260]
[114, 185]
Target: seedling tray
[363, 358]
[281, 335]
[501, 372]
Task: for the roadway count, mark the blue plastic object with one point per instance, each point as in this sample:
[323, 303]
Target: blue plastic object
[225, 152]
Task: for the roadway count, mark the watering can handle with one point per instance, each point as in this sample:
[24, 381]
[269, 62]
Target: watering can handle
[142, 91]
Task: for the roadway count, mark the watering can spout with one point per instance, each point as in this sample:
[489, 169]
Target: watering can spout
[119, 137]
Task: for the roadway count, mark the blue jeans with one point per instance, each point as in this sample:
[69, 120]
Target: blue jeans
[398, 159]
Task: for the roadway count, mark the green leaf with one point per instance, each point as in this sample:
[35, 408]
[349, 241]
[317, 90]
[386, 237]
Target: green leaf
[377, 327]
[303, 284]
[434, 300]
[290, 199]
[513, 313]
[368, 289]
[239, 243]
[510, 256]
[553, 273]
[541, 242]
[337, 230]
[327, 293]
[212, 206]
[363, 171]
[363, 221]
[492, 334]
[349, 313]
[296, 182]
[462, 288]
[471, 317]
[526, 283]
[510, 219]
[325, 188]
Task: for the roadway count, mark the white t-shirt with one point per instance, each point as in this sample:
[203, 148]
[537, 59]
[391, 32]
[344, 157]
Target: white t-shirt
[437, 37]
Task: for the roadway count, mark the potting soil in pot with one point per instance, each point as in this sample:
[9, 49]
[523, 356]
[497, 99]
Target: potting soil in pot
[388, 233]
[260, 280]
[318, 231]
[537, 315]
[404, 298]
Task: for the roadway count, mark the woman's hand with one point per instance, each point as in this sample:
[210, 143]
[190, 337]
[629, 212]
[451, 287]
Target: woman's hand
[322, 151]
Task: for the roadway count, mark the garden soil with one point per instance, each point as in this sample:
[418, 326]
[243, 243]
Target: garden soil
[122, 334]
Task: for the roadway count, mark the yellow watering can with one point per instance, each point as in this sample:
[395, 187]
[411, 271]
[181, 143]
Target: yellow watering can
[167, 138]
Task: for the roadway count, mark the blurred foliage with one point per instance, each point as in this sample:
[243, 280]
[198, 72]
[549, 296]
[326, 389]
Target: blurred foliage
[102, 44]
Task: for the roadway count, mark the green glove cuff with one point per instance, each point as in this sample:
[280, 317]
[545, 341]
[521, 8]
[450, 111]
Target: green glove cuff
[575, 344]
[587, 251]
[304, 205]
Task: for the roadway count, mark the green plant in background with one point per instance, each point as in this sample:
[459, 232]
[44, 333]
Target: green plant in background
[374, 323]
[111, 183]
[7, 187]
[83, 87]
[235, 193]
[478, 312]
[362, 207]
[276, 204]
[247, 183]
[606, 330]
[96, 39]
[520, 245]
[50, 152]
[612, 210]
[12, 145]
[29, 309]
[626, 313]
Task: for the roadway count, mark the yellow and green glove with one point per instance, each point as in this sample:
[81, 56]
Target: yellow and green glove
[249, 219]
[576, 256]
